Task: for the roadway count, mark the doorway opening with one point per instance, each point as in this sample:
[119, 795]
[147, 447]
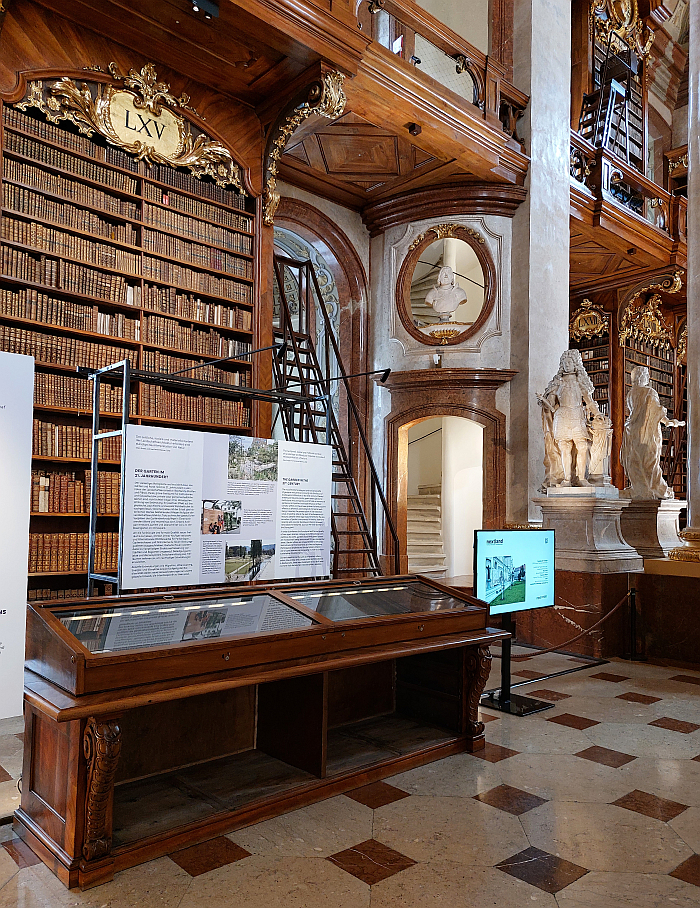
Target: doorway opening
[444, 494]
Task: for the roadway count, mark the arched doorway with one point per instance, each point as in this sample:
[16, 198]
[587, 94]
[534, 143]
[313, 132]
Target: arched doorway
[444, 493]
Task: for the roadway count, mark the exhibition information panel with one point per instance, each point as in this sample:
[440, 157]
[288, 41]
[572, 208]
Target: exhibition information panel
[209, 508]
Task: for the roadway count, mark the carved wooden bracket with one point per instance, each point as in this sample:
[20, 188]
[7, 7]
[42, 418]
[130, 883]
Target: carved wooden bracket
[101, 746]
[477, 669]
[325, 98]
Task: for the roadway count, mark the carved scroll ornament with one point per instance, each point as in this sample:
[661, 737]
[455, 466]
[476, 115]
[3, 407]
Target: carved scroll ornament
[645, 324]
[682, 349]
[446, 230]
[325, 98]
[139, 117]
[621, 18]
[101, 746]
[477, 669]
[589, 321]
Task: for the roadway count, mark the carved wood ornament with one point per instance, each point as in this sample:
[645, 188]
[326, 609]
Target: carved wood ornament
[101, 746]
[325, 98]
[135, 116]
[589, 321]
[450, 335]
[645, 323]
[477, 669]
[621, 18]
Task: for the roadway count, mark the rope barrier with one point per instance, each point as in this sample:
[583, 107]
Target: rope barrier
[567, 643]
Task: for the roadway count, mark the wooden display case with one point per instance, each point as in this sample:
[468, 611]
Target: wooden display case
[155, 722]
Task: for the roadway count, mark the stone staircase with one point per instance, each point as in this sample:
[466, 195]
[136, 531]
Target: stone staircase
[424, 533]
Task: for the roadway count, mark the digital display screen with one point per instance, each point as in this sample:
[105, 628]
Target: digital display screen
[514, 569]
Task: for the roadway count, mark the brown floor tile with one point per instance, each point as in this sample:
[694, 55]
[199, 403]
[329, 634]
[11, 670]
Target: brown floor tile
[485, 717]
[688, 679]
[378, 794]
[572, 721]
[20, 735]
[4, 775]
[685, 728]
[605, 756]
[528, 673]
[510, 799]
[494, 753]
[650, 806]
[20, 853]
[696, 759]
[609, 676]
[688, 871]
[371, 861]
[539, 868]
[634, 697]
[545, 694]
[209, 855]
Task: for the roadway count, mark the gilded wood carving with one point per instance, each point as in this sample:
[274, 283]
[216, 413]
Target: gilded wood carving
[325, 98]
[140, 116]
[101, 746]
[589, 321]
[621, 18]
[645, 323]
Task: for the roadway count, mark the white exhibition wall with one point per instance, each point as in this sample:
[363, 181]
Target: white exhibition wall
[16, 415]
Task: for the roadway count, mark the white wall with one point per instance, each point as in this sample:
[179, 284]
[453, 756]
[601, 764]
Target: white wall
[424, 454]
[469, 18]
[462, 490]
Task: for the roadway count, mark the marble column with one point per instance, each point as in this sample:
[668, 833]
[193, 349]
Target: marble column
[691, 535]
[540, 263]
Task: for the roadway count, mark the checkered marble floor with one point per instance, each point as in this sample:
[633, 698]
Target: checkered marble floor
[594, 803]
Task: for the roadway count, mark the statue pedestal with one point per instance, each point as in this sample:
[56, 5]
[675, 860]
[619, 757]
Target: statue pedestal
[588, 536]
[651, 525]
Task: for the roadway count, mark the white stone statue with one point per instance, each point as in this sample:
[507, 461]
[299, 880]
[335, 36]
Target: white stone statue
[640, 452]
[446, 295]
[567, 404]
[601, 443]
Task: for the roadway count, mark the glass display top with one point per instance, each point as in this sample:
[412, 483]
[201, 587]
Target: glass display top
[344, 602]
[111, 629]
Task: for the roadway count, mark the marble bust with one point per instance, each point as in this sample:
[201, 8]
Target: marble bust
[446, 295]
[640, 452]
[567, 406]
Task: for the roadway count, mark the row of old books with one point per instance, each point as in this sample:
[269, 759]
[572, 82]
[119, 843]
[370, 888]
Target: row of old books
[64, 552]
[59, 349]
[26, 201]
[58, 242]
[46, 593]
[201, 256]
[166, 332]
[116, 324]
[72, 392]
[60, 135]
[58, 273]
[195, 207]
[180, 179]
[198, 230]
[155, 361]
[71, 190]
[157, 402]
[57, 493]
[65, 162]
[188, 306]
[58, 440]
[201, 281]
[108, 491]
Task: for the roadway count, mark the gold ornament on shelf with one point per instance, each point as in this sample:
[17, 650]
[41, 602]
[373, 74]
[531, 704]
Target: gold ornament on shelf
[682, 349]
[325, 98]
[443, 335]
[139, 117]
[446, 230]
[621, 18]
[690, 551]
[645, 324]
[679, 163]
[589, 321]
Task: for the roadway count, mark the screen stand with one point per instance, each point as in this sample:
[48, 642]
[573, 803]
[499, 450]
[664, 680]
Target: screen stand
[502, 699]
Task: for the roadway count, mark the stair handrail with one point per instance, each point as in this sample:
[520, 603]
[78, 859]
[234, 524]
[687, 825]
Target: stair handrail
[329, 335]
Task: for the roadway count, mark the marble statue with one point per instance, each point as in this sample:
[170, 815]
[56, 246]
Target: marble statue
[446, 295]
[567, 406]
[601, 443]
[640, 452]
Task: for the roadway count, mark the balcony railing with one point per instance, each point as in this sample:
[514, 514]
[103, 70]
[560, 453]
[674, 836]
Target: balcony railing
[609, 179]
[440, 54]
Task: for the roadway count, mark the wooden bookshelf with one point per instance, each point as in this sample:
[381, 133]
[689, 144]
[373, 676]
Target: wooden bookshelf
[596, 356]
[104, 258]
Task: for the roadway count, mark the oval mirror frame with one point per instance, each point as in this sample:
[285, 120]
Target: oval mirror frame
[403, 287]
